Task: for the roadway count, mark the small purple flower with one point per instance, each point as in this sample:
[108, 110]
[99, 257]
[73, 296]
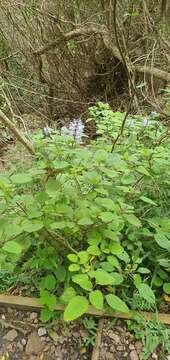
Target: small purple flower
[46, 131]
[145, 122]
[75, 129]
[153, 113]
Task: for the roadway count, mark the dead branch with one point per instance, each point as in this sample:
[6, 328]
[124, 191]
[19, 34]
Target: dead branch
[96, 349]
[9, 124]
[105, 35]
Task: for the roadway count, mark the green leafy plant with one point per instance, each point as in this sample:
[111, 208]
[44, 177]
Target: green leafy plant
[152, 334]
[90, 225]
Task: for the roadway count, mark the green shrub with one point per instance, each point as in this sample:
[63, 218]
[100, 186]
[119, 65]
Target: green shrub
[85, 225]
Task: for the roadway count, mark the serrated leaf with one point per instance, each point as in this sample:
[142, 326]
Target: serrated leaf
[83, 281]
[76, 308]
[146, 293]
[96, 299]
[12, 247]
[166, 288]
[116, 303]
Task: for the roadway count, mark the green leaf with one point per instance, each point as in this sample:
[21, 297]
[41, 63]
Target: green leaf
[142, 170]
[85, 221]
[51, 186]
[147, 200]
[166, 288]
[48, 299]
[45, 315]
[30, 226]
[60, 273]
[73, 258]
[103, 278]
[137, 279]
[124, 256]
[107, 216]
[21, 178]
[113, 261]
[162, 241]
[118, 279]
[158, 282]
[83, 257]
[96, 299]
[83, 281]
[12, 247]
[116, 248]
[116, 303]
[76, 308]
[67, 295]
[74, 267]
[50, 282]
[133, 220]
[163, 275]
[94, 250]
[146, 293]
[143, 270]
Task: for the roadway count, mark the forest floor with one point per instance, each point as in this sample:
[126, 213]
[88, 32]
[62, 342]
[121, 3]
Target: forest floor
[24, 337]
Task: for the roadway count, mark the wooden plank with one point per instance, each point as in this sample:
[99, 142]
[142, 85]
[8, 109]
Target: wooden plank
[28, 303]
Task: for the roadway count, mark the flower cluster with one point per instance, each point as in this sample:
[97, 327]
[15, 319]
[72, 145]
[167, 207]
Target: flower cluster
[75, 129]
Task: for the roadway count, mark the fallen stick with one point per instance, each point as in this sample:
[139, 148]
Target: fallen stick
[96, 349]
[9, 124]
[29, 303]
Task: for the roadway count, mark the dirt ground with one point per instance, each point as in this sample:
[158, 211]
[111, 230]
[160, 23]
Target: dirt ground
[23, 337]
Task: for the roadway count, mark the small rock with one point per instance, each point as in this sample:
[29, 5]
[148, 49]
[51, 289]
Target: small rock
[125, 355]
[154, 356]
[20, 346]
[121, 348]
[168, 357]
[42, 332]
[23, 342]
[133, 355]
[3, 317]
[33, 316]
[114, 337]
[52, 349]
[138, 345]
[131, 347]
[76, 335]
[34, 345]
[11, 335]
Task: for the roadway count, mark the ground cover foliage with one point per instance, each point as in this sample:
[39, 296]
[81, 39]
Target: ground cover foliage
[90, 224]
